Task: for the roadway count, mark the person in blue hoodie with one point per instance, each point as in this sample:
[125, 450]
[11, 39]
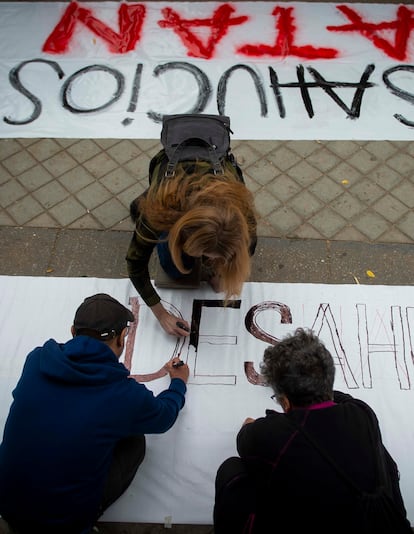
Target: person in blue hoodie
[75, 434]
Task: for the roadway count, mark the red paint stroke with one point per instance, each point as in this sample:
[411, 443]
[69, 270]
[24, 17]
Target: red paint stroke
[402, 25]
[148, 377]
[219, 24]
[130, 21]
[285, 41]
[252, 375]
[129, 347]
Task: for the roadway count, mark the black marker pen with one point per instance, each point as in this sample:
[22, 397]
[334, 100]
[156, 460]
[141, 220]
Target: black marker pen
[182, 326]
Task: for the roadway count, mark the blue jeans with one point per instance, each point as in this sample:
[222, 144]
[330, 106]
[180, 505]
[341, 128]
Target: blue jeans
[167, 263]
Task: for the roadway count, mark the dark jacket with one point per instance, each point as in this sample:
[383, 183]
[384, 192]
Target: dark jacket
[72, 404]
[295, 487]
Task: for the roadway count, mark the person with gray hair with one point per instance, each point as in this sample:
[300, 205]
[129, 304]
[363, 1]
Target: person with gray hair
[320, 466]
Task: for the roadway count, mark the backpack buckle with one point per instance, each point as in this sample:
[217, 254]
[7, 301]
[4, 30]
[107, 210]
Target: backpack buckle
[170, 171]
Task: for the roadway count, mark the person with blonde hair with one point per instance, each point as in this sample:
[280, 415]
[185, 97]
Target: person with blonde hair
[196, 215]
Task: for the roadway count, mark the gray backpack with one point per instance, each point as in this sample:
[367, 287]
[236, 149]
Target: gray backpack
[192, 137]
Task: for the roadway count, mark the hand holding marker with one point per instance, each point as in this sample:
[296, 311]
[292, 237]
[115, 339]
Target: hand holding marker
[182, 326]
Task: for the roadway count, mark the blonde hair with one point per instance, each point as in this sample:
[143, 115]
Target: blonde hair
[205, 214]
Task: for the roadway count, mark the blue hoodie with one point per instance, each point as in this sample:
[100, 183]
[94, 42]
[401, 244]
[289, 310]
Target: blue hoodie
[72, 404]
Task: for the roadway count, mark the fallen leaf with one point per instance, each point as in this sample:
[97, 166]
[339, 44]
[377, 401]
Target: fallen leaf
[370, 274]
[345, 182]
[49, 270]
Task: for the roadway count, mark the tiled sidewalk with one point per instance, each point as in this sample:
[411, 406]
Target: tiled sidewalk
[335, 190]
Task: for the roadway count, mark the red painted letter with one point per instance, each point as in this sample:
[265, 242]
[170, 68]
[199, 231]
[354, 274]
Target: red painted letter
[130, 19]
[219, 24]
[403, 25]
[285, 41]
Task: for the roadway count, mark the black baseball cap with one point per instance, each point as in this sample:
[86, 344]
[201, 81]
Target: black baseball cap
[102, 314]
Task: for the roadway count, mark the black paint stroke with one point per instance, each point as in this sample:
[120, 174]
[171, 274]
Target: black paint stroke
[355, 110]
[396, 348]
[14, 78]
[274, 84]
[405, 95]
[67, 88]
[327, 86]
[253, 328]
[258, 84]
[304, 90]
[134, 94]
[195, 329]
[196, 315]
[323, 317]
[204, 86]
[135, 89]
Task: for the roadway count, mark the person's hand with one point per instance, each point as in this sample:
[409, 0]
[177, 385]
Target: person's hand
[248, 420]
[170, 323]
[178, 369]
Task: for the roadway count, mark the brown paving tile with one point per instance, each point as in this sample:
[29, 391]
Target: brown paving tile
[5, 176]
[44, 149]
[124, 151]
[371, 224]
[10, 192]
[305, 204]
[68, 211]
[93, 195]
[283, 188]
[100, 165]
[386, 177]
[50, 194]
[59, 164]
[25, 209]
[264, 171]
[390, 208]
[323, 159]
[19, 162]
[138, 167]
[303, 148]
[76, 179]
[266, 203]
[405, 192]
[327, 222]
[110, 213]
[118, 180]
[326, 189]
[35, 178]
[8, 147]
[284, 220]
[83, 150]
[284, 158]
[304, 173]
[402, 163]
[406, 225]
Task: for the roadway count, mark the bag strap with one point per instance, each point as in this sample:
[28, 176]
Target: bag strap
[326, 456]
[212, 156]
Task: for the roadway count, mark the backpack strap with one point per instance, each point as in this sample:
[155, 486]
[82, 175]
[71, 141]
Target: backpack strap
[198, 147]
[326, 456]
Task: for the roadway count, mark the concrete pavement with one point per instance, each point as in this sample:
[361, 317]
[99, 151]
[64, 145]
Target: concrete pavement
[327, 211]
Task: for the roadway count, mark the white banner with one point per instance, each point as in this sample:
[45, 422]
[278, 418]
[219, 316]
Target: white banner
[280, 71]
[368, 330]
